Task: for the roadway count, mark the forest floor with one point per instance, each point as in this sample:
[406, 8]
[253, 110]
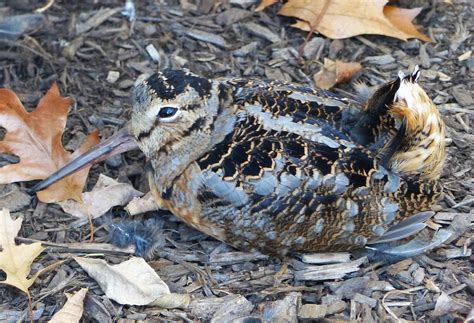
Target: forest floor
[79, 53]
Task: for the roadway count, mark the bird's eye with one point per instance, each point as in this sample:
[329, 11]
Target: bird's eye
[167, 112]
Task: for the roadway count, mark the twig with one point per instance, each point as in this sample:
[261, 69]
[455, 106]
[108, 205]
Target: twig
[313, 28]
[85, 247]
[45, 7]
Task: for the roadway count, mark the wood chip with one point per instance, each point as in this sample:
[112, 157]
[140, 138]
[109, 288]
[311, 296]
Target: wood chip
[312, 312]
[326, 258]
[327, 272]
[113, 76]
[154, 54]
[399, 266]
[456, 253]
[100, 17]
[231, 258]
[235, 307]
[449, 216]
[207, 37]
[262, 32]
[380, 60]
[362, 299]
[445, 304]
[284, 310]
[14, 199]
[336, 307]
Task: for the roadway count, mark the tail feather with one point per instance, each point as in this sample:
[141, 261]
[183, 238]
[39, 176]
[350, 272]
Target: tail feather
[405, 228]
[414, 247]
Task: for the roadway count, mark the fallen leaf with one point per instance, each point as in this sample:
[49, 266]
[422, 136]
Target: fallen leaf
[172, 300]
[336, 72]
[36, 138]
[402, 19]
[344, 19]
[72, 310]
[106, 193]
[265, 3]
[16, 260]
[132, 282]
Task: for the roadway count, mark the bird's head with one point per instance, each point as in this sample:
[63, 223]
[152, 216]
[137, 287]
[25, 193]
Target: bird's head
[176, 117]
[171, 109]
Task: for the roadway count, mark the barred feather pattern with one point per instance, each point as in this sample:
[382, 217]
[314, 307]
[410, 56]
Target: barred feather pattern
[279, 171]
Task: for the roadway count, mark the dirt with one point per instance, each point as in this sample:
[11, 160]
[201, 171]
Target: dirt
[223, 38]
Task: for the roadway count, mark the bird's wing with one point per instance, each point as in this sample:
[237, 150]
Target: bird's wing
[282, 176]
[369, 125]
[289, 168]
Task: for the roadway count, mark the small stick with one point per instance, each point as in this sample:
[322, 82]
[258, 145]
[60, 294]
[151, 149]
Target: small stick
[313, 28]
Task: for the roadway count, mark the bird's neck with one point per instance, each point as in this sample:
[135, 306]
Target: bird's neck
[422, 150]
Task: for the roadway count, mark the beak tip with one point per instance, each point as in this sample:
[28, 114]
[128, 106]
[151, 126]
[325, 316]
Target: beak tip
[36, 188]
[118, 143]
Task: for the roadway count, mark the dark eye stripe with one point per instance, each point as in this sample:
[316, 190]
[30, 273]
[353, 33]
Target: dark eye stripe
[195, 126]
[147, 133]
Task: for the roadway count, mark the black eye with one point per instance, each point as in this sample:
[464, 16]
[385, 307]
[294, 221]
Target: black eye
[167, 112]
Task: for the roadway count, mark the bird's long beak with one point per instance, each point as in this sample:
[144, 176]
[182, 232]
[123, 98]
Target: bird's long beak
[121, 142]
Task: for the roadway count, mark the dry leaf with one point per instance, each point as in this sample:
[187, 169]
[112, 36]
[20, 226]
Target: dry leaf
[336, 72]
[343, 19]
[106, 193]
[72, 310]
[16, 260]
[265, 3]
[131, 282]
[172, 300]
[36, 138]
[401, 18]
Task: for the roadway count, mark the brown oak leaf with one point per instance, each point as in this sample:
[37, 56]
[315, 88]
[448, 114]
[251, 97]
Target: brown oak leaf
[338, 19]
[265, 3]
[336, 72]
[35, 137]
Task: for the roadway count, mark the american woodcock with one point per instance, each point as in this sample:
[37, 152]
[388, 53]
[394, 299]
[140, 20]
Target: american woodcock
[278, 167]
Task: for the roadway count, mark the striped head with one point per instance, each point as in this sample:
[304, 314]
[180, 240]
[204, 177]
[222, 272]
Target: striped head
[176, 118]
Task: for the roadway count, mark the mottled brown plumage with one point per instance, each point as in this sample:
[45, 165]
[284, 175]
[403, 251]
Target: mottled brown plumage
[279, 168]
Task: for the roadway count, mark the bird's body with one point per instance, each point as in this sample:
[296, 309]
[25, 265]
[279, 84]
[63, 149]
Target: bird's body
[281, 168]
[271, 168]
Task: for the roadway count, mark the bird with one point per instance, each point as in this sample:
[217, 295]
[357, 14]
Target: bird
[281, 168]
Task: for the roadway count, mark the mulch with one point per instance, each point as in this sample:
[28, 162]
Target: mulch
[95, 54]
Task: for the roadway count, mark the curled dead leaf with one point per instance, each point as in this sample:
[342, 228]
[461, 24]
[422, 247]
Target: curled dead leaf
[131, 282]
[336, 72]
[106, 194]
[172, 300]
[72, 310]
